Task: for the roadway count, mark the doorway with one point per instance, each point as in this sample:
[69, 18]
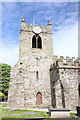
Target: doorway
[38, 98]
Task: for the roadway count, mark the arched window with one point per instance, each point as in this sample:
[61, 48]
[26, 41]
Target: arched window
[39, 42]
[36, 41]
[38, 98]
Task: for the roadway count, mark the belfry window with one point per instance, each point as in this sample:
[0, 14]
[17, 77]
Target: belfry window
[39, 42]
[36, 41]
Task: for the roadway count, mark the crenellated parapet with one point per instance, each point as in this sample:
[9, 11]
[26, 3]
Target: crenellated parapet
[66, 62]
[29, 27]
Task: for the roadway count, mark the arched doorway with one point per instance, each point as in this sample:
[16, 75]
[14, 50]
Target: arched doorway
[38, 98]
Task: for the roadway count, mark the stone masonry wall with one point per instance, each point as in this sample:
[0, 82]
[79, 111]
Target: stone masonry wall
[64, 79]
[58, 78]
[24, 85]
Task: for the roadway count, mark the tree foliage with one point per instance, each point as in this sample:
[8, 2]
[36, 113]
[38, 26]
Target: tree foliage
[4, 78]
[2, 96]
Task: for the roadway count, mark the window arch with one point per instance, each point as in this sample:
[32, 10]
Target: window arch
[36, 41]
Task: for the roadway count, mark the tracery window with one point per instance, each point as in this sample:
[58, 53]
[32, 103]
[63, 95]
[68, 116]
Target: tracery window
[36, 42]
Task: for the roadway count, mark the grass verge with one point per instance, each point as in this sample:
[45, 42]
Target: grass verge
[73, 115]
[5, 112]
[35, 114]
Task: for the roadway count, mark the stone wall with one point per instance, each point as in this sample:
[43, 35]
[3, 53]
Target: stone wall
[58, 78]
[64, 81]
[24, 85]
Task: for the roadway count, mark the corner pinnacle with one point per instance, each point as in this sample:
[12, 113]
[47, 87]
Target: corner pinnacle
[49, 22]
[23, 19]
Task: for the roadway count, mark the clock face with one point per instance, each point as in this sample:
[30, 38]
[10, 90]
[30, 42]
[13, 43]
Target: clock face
[37, 30]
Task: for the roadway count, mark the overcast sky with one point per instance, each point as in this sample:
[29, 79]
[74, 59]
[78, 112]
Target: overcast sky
[64, 19]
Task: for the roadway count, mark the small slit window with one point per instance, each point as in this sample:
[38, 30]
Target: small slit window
[20, 71]
[37, 75]
[20, 63]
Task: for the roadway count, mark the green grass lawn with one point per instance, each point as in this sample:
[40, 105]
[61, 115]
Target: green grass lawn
[4, 111]
[73, 115]
[30, 114]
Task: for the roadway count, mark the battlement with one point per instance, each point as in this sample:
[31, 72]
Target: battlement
[66, 62]
[29, 27]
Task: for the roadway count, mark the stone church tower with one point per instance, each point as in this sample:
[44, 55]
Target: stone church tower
[30, 78]
[40, 79]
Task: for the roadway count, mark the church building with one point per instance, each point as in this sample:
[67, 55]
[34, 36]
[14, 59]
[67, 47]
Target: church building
[40, 79]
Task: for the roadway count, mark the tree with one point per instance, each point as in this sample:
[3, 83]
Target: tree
[2, 96]
[5, 70]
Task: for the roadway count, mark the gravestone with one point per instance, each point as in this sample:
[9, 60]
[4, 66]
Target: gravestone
[59, 113]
